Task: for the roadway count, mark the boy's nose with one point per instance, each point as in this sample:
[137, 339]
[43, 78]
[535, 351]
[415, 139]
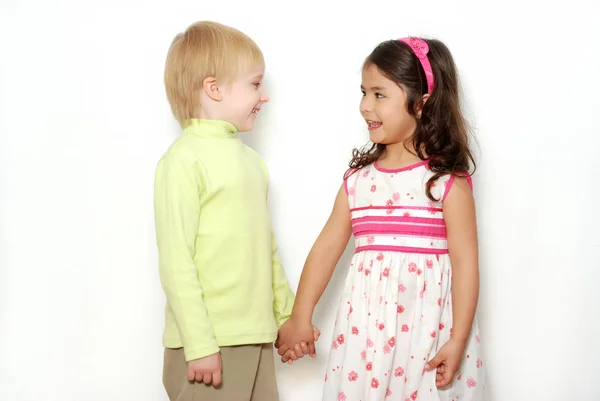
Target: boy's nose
[265, 97]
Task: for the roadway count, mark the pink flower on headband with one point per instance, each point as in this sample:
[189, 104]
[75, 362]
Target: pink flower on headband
[419, 46]
[420, 49]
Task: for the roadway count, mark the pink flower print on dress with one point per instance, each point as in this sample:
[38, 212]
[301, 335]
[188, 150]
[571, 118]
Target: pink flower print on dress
[363, 355]
[340, 339]
[400, 309]
[433, 334]
[374, 383]
[367, 272]
[412, 267]
[326, 377]
[429, 263]
[370, 343]
[477, 338]
[387, 349]
[392, 341]
[442, 326]
[360, 267]
[380, 256]
[404, 328]
[388, 393]
[479, 363]
[352, 376]
[399, 372]
[373, 188]
[401, 288]
[386, 272]
[471, 382]
[370, 239]
[335, 345]
[369, 366]
[389, 211]
[380, 326]
[341, 396]
[413, 396]
[396, 196]
[389, 203]
[406, 214]
[355, 330]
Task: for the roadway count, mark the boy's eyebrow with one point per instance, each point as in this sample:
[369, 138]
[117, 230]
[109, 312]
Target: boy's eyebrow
[259, 76]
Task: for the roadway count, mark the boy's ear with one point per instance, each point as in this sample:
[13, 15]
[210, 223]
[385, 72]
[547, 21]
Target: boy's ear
[211, 88]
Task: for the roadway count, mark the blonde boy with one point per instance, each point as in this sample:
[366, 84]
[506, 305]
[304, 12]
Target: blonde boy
[227, 293]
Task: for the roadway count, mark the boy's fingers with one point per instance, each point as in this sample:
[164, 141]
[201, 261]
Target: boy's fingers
[305, 348]
[216, 378]
[298, 351]
[207, 378]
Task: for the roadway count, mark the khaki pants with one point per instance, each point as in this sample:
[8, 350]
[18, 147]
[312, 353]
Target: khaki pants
[248, 375]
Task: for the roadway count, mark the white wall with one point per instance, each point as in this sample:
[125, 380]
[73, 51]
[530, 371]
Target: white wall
[84, 118]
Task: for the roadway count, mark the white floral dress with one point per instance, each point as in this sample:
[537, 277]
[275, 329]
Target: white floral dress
[396, 309]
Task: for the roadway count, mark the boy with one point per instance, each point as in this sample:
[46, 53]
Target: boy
[227, 293]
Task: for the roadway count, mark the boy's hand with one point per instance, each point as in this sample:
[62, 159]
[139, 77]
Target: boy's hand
[290, 356]
[447, 362]
[207, 369]
[296, 339]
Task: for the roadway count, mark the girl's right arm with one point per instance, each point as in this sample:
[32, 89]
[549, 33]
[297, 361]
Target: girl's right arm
[317, 271]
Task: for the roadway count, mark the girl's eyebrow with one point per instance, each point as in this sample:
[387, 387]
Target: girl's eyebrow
[373, 88]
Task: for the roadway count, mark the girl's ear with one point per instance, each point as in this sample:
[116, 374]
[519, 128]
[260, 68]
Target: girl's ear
[211, 88]
[421, 104]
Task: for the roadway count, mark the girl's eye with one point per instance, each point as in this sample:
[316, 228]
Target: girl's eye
[363, 93]
[257, 84]
[378, 95]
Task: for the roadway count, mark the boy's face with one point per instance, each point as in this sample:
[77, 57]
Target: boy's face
[243, 98]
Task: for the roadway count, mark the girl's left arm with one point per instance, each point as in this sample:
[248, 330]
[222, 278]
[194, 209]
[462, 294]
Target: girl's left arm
[461, 228]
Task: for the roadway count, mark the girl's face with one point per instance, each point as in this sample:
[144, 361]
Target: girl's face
[384, 108]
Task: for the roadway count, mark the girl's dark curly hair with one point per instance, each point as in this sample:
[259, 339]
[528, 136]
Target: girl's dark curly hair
[442, 132]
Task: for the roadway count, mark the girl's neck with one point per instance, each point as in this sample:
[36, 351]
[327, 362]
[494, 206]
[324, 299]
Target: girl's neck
[398, 155]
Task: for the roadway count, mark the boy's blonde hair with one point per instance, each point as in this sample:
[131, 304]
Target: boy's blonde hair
[205, 49]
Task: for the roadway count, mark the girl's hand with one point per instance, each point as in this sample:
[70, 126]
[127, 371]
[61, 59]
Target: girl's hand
[296, 336]
[302, 349]
[447, 362]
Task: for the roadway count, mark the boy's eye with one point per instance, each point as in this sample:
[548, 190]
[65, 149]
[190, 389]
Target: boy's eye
[257, 84]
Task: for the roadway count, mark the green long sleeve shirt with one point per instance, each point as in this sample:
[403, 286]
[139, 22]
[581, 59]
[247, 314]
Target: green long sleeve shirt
[218, 262]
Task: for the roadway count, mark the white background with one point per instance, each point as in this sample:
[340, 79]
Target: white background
[84, 118]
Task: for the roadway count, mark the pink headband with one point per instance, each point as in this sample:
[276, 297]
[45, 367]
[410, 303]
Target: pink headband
[420, 48]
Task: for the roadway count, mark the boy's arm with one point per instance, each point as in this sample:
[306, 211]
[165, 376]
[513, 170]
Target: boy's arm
[283, 300]
[283, 297]
[177, 210]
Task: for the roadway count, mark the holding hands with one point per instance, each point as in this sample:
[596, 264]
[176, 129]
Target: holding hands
[296, 339]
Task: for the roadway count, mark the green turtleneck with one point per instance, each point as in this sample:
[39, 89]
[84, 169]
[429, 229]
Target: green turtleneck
[218, 261]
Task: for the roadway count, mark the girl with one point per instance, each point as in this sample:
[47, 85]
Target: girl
[406, 327]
